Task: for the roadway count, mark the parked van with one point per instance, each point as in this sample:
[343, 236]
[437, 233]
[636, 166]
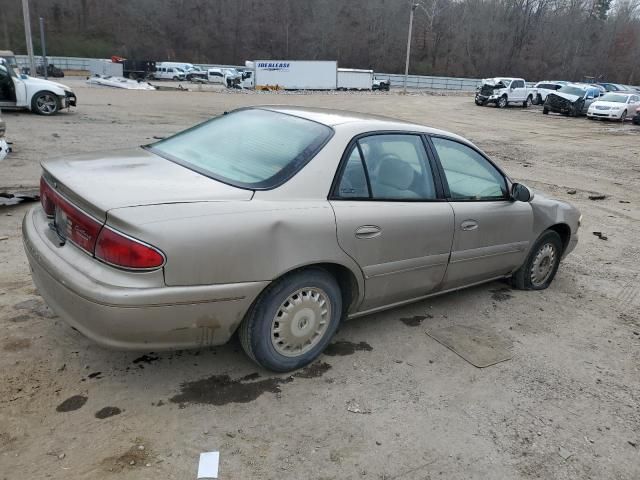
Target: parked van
[164, 72]
[184, 66]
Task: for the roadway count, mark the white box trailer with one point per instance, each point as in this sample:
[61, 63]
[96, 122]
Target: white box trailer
[354, 79]
[295, 74]
[105, 67]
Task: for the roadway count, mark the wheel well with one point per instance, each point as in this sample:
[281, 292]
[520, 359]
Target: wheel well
[564, 231]
[345, 278]
[40, 92]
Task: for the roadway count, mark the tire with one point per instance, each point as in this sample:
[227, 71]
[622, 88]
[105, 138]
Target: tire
[480, 103]
[268, 340]
[541, 265]
[175, 79]
[527, 102]
[45, 103]
[502, 102]
[623, 117]
[545, 110]
[537, 100]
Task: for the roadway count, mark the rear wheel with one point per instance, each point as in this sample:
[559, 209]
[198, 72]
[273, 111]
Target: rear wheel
[540, 267]
[45, 103]
[293, 320]
[527, 102]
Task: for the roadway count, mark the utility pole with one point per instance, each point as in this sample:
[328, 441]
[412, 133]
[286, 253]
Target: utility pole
[43, 46]
[27, 33]
[406, 67]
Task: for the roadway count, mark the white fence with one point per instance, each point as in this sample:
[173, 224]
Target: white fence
[413, 81]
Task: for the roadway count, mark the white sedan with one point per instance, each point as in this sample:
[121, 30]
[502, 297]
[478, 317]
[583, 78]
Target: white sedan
[614, 106]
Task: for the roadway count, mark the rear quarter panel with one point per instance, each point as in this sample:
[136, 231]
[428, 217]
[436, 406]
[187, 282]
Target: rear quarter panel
[228, 242]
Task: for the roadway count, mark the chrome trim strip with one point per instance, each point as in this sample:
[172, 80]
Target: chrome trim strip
[417, 299]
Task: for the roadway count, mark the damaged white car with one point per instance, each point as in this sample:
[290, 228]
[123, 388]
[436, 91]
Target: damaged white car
[40, 96]
[614, 106]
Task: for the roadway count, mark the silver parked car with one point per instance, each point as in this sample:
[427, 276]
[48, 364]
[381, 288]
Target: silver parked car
[280, 222]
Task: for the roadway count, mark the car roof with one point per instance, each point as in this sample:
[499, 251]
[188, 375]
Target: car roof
[332, 118]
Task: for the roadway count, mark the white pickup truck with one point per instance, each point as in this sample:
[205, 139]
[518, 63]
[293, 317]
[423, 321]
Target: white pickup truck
[501, 91]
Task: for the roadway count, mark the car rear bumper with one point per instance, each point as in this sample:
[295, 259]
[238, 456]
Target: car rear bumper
[128, 316]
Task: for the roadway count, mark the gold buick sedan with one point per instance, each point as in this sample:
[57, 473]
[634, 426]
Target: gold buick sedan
[280, 222]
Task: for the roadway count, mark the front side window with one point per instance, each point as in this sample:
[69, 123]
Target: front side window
[469, 175]
[388, 167]
[517, 84]
[250, 148]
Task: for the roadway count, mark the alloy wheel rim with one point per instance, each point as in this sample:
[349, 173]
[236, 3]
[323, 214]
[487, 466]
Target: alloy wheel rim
[46, 104]
[300, 322]
[543, 264]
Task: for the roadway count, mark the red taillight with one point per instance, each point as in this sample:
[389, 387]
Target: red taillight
[88, 233]
[47, 197]
[76, 226]
[121, 251]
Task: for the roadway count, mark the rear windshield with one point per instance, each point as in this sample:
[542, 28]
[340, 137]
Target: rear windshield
[572, 90]
[253, 148]
[614, 97]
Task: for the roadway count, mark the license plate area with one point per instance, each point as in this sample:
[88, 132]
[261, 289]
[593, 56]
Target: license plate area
[60, 223]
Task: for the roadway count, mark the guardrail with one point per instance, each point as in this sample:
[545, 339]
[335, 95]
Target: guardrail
[413, 81]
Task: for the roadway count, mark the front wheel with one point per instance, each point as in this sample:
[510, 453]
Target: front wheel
[545, 110]
[623, 117]
[293, 320]
[540, 267]
[502, 102]
[45, 103]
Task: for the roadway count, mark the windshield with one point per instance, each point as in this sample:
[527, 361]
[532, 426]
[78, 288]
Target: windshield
[577, 91]
[252, 148]
[614, 97]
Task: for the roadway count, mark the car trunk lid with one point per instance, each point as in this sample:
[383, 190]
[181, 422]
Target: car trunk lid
[99, 182]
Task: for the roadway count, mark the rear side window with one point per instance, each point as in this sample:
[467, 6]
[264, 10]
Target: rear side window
[353, 183]
[469, 175]
[252, 148]
[387, 167]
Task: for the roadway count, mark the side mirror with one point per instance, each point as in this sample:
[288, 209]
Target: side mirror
[520, 193]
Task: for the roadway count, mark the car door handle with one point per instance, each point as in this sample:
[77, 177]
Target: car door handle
[468, 225]
[368, 231]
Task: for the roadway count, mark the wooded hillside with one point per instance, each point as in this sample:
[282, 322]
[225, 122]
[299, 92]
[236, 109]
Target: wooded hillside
[536, 39]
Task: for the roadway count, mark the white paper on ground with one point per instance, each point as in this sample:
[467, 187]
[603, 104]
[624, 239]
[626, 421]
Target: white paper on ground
[208, 466]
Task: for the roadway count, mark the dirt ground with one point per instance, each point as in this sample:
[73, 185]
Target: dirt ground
[566, 406]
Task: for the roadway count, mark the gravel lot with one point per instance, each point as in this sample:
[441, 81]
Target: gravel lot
[566, 406]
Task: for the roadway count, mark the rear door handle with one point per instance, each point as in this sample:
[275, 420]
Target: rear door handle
[468, 225]
[368, 231]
